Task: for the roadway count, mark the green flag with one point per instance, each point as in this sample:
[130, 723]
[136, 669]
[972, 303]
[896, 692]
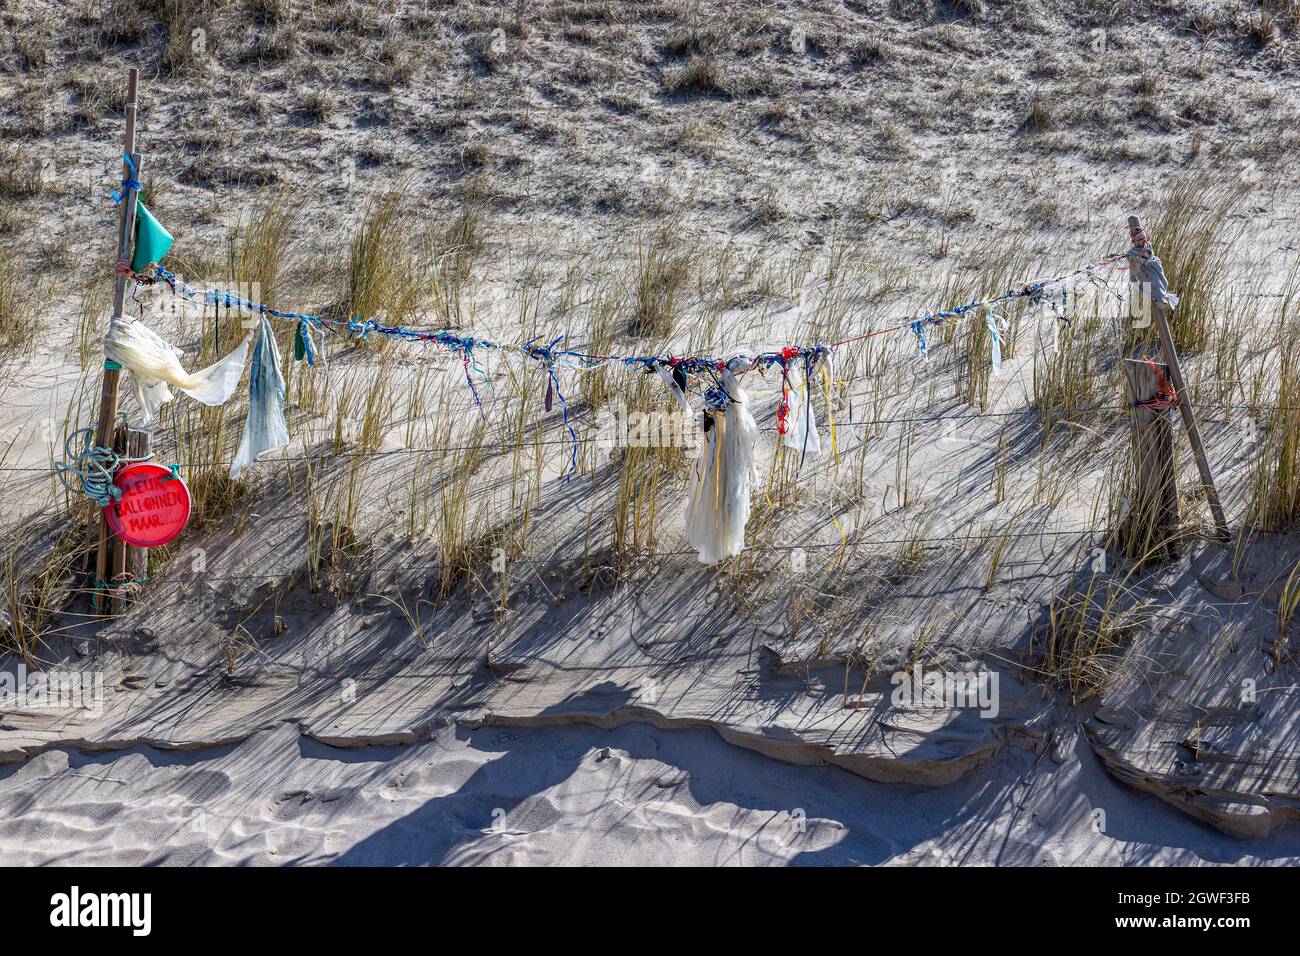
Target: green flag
[151, 240]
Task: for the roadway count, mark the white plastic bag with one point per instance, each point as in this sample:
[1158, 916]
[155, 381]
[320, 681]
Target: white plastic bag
[801, 433]
[264, 428]
[717, 506]
[153, 364]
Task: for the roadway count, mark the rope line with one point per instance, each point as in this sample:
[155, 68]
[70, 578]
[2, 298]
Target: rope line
[1039, 290]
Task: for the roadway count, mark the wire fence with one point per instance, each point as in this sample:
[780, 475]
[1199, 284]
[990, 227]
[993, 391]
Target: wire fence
[596, 439]
[428, 568]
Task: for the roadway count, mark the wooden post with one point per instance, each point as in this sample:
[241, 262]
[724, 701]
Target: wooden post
[117, 547]
[1149, 531]
[127, 563]
[107, 421]
[138, 445]
[1159, 315]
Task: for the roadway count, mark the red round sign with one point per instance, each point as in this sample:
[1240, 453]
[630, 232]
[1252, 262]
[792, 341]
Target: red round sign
[154, 506]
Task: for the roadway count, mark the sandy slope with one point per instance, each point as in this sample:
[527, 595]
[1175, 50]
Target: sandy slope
[577, 796]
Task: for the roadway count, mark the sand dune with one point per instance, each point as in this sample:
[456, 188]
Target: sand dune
[575, 796]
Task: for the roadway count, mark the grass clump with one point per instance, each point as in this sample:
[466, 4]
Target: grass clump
[388, 259]
[1040, 117]
[190, 32]
[17, 325]
[1190, 234]
[261, 253]
[20, 174]
[33, 579]
[1275, 497]
[1066, 376]
[663, 268]
[701, 76]
[1082, 643]
[123, 24]
[317, 105]
[461, 545]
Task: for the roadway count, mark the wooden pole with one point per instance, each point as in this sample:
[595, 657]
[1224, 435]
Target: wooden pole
[107, 421]
[138, 445]
[1149, 531]
[117, 547]
[127, 563]
[1160, 317]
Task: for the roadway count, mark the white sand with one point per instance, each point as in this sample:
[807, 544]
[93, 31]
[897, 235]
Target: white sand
[578, 796]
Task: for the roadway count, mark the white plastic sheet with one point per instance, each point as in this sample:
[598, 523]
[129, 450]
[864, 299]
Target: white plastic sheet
[264, 428]
[153, 364]
[717, 506]
[801, 435]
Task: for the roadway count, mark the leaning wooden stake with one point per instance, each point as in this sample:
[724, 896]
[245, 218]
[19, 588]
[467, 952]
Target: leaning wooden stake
[107, 422]
[1160, 317]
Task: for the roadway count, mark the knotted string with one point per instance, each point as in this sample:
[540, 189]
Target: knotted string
[1165, 396]
[546, 354]
[128, 183]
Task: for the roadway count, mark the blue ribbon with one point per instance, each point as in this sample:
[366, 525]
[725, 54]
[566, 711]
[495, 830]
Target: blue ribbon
[918, 329]
[546, 354]
[308, 347]
[991, 321]
[128, 184]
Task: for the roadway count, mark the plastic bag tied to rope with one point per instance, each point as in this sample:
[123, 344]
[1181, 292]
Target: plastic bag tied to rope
[718, 498]
[152, 241]
[1148, 274]
[674, 380]
[264, 428]
[802, 435]
[303, 347]
[991, 321]
[796, 423]
[154, 365]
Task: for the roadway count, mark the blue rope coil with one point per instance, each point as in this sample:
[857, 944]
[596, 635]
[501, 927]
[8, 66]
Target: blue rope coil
[89, 470]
